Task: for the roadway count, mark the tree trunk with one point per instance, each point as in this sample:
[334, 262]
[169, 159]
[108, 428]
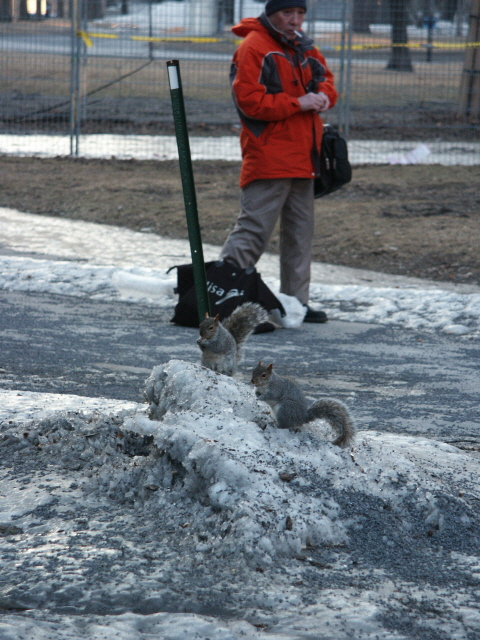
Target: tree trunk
[363, 15]
[449, 10]
[469, 105]
[400, 56]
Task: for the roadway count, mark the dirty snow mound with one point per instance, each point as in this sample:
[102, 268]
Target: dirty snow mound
[213, 461]
[272, 491]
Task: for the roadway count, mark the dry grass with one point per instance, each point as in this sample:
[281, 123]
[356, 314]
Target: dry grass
[50, 75]
[376, 87]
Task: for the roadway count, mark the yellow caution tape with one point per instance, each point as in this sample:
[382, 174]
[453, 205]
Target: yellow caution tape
[412, 45]
[179, 39]
[86, 37]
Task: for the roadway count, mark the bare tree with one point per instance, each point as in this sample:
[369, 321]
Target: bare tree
[400, 59]
[363, 14]
[469, 105]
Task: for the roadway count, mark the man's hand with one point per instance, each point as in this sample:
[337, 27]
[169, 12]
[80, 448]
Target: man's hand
[318, 102]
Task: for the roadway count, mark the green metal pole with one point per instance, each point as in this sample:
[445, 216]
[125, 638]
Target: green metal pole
[186, 171]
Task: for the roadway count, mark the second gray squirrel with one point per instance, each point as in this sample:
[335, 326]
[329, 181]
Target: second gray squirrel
[221, 342]
[291, 408]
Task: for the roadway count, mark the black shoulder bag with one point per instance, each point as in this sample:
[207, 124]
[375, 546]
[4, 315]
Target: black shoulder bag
[335, 168]
[228, 287]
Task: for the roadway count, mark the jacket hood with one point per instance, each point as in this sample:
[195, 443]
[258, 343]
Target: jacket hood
[262, 23]
[246, 25]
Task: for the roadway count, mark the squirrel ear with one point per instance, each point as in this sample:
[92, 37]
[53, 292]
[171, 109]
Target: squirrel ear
[206, 314]
[217, 319]
[259, 363]
[270, 367]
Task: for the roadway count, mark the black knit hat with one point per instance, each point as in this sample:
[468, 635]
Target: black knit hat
[277, 5]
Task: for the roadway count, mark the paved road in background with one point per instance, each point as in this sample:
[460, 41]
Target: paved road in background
[393, 379]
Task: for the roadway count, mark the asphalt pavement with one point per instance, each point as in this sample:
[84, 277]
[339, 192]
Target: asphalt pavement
[393, 379]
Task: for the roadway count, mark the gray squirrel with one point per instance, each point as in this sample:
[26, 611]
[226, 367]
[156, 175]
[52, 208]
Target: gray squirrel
[221, 342]
[291, 408]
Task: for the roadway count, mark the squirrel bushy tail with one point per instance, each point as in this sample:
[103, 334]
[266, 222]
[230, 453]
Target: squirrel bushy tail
[242, 322]
[337, 415]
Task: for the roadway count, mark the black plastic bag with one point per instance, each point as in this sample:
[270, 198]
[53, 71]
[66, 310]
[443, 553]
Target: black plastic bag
[335, 168]
[228, 287]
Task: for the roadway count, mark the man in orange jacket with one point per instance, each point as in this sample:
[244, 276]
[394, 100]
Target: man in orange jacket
[280, 84]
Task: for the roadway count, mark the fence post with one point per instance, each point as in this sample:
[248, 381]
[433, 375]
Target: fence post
[345, 73]
[186, 171]
[78, 18]
[348, 84]
[74, 76]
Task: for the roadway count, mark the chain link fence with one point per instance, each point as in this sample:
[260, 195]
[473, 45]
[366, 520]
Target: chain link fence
[93, 72]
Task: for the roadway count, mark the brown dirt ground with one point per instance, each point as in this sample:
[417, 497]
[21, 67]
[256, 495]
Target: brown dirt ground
[419, 221]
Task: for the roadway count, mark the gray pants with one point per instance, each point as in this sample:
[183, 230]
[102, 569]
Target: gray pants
[263, 202]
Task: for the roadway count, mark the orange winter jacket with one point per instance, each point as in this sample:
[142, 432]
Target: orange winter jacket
[268, 74]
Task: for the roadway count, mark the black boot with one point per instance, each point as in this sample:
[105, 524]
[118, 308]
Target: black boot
[314, 316]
